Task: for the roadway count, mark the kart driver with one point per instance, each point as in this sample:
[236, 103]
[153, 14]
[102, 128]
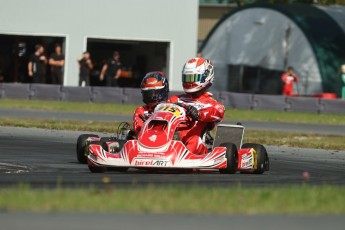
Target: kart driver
[154, 89]
[197, 77]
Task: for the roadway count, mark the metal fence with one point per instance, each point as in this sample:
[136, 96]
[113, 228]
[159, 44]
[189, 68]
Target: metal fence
[133, 96]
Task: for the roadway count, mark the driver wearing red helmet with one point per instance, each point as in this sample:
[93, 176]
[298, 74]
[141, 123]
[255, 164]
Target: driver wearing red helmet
[154, 89]
[197, 77]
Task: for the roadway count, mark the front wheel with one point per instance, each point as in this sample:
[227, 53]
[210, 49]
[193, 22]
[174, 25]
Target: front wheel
[231, 158]
[82, 147]
[262, 160]
[96, 169]
[117, 169]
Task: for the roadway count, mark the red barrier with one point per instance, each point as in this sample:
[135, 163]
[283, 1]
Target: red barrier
[326, 95]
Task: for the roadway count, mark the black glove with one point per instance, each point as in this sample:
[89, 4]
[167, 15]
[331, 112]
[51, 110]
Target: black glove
[192, 112]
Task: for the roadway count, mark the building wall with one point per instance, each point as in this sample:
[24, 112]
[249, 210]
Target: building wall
[208, 18]
[150, 20]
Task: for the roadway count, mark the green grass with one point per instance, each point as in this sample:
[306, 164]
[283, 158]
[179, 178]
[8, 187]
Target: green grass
[287, 117]
[177, 199]
[127, 109]
[69, 106]
[92, 126]
[302, 140]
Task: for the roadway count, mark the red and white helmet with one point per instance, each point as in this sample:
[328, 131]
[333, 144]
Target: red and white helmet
[154, 88]
[197, 74]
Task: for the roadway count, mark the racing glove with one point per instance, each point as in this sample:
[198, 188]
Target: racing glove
[192, 112]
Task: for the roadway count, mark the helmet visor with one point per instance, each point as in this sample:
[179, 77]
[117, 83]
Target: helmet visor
[190, 78]
[150, 96]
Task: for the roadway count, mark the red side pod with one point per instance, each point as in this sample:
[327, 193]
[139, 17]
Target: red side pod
[246, 159]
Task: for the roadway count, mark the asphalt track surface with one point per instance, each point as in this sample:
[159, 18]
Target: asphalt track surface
[96, 221]
[46, 158]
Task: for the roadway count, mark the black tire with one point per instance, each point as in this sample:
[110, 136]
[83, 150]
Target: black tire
[117, 169]
[231, 157]
[96, 169]
[81, 147]
[262, 157]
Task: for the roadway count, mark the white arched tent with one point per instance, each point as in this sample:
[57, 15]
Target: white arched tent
[251, 46]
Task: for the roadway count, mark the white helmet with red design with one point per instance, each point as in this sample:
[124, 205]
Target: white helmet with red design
[197, 74]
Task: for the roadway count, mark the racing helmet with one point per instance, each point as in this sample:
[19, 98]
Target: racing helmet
[197, 74]
[154, 88]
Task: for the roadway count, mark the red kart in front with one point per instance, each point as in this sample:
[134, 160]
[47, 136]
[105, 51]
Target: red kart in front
[158, 146]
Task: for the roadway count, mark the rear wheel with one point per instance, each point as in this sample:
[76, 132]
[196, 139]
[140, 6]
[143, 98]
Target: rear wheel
[231, 158]
[82, 147]
[262, 162]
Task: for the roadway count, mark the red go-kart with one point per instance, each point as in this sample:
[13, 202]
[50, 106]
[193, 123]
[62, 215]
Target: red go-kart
[158, 147]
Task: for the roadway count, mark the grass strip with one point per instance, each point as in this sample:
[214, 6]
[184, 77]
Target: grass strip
[302, 199]
[87, 107]
[128, 109]
[92, 126]
[302, 140]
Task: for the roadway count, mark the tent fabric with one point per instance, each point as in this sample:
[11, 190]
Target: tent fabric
[274, 36]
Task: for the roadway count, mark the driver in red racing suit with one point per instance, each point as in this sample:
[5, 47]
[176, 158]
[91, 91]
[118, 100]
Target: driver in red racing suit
[197, 77]
[154, 89]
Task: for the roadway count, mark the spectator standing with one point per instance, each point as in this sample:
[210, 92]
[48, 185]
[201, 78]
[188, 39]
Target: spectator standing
[37, 65]
[111, 70]
[56, 62]
[288, 78]
[85, 66]
[343, 81]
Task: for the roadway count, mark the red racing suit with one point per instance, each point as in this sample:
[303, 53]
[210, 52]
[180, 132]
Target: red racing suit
[288, 80]
[146, 112]
[210, 112]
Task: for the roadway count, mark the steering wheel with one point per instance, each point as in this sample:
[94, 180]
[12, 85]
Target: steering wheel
[189, 120]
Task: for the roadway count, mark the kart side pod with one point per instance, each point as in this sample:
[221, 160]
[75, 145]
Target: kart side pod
[251, 157]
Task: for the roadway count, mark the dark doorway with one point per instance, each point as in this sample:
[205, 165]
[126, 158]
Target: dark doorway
[136, 57]
[15, 51]
[254, 79]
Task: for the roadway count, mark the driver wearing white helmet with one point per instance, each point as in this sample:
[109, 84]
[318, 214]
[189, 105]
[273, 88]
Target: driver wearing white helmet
[197, 77]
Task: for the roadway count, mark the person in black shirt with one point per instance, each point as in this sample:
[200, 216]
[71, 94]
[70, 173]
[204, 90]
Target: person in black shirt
[111, 70]
[85, 66]
[56, 62]
[37, 65]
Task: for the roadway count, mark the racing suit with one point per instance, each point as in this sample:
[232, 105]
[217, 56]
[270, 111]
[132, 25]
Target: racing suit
[210, 112]
[288, 80]
[146, 112]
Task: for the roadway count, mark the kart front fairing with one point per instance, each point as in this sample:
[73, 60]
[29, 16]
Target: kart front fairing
[156, 147]
[176, 156]
[159, 129]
